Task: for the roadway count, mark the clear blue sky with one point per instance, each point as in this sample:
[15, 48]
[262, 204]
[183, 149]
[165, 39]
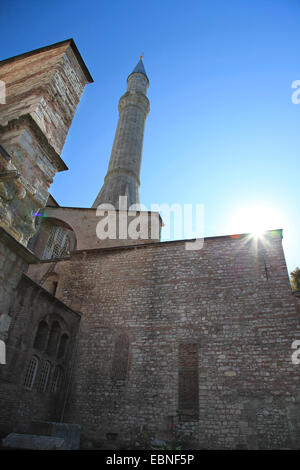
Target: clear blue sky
[222, 130]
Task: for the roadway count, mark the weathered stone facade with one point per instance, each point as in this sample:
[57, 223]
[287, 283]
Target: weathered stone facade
[34, 313]
[14, 261]
[230, 304]
[43, 88]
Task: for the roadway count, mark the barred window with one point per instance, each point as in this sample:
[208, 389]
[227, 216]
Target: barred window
[58, 243]
[31, 372]
[44, 376]
[57, 379]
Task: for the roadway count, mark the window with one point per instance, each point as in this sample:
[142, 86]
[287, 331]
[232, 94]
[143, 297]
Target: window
[54, 287]
[41, 336]
[58, 243]
[31, 372]
[44, 376]
[57, 379]
[120, 360]
[62, 346]
[53, 339]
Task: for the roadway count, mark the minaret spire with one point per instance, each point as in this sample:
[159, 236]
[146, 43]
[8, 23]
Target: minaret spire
[123, 175]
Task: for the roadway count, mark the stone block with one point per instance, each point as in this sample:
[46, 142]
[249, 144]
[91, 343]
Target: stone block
[33, 442]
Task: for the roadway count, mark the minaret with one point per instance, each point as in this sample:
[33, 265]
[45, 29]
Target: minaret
[123, 175]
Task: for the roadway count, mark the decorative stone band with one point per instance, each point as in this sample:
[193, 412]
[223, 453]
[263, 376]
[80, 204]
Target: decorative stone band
[134, 99]
[122, 171]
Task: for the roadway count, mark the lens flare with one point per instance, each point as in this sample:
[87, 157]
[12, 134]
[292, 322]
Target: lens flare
[255, 219]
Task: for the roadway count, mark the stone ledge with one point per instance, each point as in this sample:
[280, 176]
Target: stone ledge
[33, 442]
[50, 152]
[17, 247]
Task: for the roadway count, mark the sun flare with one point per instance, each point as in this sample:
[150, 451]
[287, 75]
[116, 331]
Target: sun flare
[255, 219]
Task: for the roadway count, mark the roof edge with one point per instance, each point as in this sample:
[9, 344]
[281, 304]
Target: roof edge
[53, 46]
[171, 242]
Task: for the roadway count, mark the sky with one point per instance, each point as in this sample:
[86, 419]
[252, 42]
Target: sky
[222, 130]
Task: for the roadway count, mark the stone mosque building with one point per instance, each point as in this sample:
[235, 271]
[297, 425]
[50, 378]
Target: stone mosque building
[125, 336]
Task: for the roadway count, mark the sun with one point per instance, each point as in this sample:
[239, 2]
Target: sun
[255, 219]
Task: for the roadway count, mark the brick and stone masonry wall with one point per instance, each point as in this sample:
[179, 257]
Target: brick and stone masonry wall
[18, 404]
[11, 269]
[46, 84]
[232, 299]
[43, 89]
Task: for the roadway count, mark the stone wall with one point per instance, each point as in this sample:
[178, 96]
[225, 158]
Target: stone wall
[19, 403]
[231, 301]
[297, 301]
[47, 84]
[43, 88]
[14, 261]
[83, 222]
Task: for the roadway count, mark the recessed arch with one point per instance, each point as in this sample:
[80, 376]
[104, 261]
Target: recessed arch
[50, 282]
[120, 358]
[54, 338]
[41, 336]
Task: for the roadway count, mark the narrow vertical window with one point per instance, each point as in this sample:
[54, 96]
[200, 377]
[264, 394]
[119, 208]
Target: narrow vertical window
[41, 336]
[57, 379]
[31, 372]
[62, 346]
[53, 339]
[188, 387]
[44, 376]
[120, 359]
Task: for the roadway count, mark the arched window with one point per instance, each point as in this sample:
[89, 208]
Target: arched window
[120, 360]
[62, 346]
[31, 372]
[57, 379]
[53, 339]
[41, 336]
[57, 244]
[44, 376]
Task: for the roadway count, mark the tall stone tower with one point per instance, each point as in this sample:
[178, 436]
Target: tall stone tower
[123, 175]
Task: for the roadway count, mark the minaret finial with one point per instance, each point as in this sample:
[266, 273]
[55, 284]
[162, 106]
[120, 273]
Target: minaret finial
[141, 56]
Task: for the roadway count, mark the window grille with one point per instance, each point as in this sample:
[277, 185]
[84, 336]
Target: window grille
[44, 376]
[58, 243]
[31, 372]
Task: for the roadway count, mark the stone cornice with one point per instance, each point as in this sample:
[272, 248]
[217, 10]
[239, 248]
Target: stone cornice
[53, 46]
[26, 119]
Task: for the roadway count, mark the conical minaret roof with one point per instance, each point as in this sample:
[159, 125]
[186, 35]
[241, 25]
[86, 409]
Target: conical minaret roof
[139, 68]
